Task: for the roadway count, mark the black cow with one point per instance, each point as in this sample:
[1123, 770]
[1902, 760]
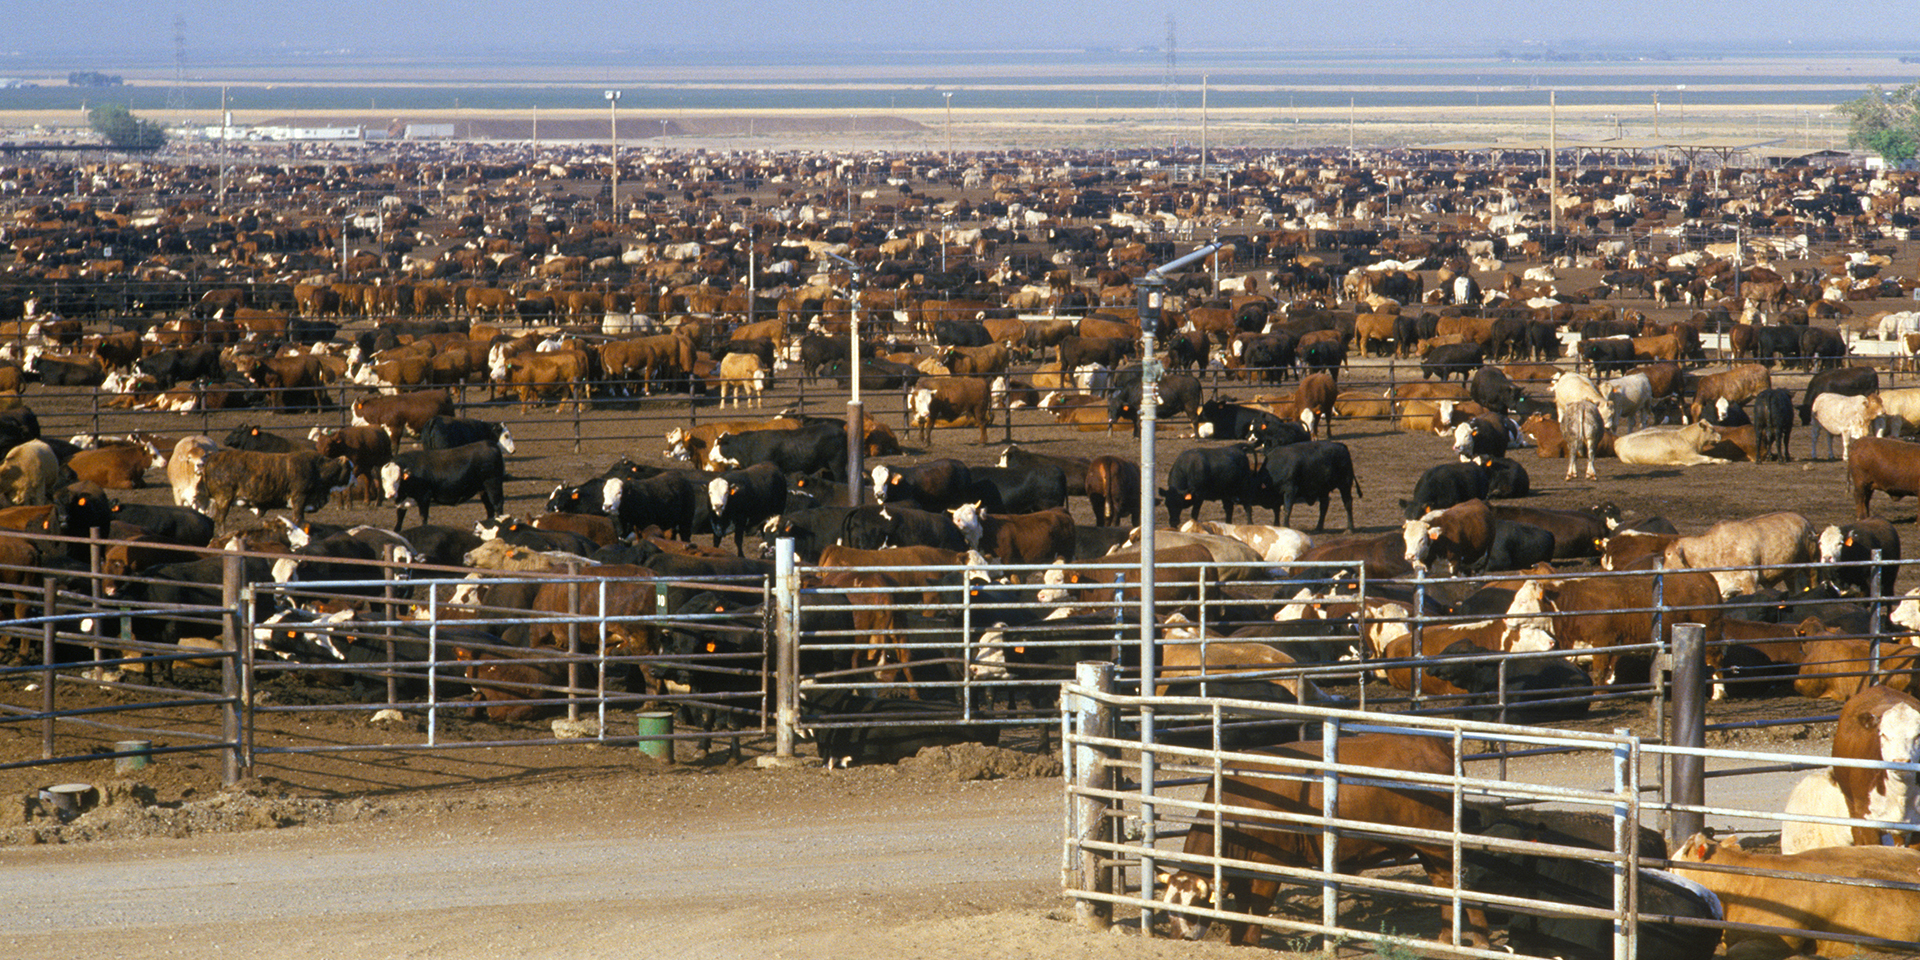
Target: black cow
[1305, 473]
[1179, 393]
[1517, 546]
[1822, 348]
[812, 530]
[1200, 474]
[1444, 485]
[1845, 381]
[250, 437]
[1529, 680]
[1220, 420]
[1014, 490]
[872, 528]
[1855, 544]
[447, 477]
[1493, 389]
[961, 333]
[445, 433]
[441, 545]
[525, 535]
[806, 449]
[1507, 479]
[1324, 356]
[1186, 350]
[194, 584]
[1484, 440]
[934, 485]
[1271, 354]
[817, 351]
[745, 498]
[675, 501]
[1449, 359]
[178, 366]
[182, 525]
[715, 629]
[1609, 354]
[1543, 340]
[1773, 423]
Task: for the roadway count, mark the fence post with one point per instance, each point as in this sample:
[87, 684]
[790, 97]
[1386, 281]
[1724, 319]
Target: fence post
[786, 626]
[1873, 598]
[387, 608]
[1688, 770]
[1093, 718]
[49, 600]
[573, 641]
[1329, 837]
[233, 640]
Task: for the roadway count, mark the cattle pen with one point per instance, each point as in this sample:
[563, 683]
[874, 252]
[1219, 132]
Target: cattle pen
[987, 659]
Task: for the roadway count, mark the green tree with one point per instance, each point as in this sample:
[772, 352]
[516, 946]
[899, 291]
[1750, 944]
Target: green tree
[1887, 123]
[124, 130]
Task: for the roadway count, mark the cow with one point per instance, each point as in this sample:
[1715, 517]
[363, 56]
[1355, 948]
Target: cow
[950, 398]
[1847, 554]
[1581, 427]
[1297, 791]
[1669, 446]
[892, 525]
[116, 467]
[185, 467]
[1452, 358]
[1890, 466]
[1273, 544]
[934, 485]
[741, 374]
[1444, 485]
[1773, 423]
[1878, 723]
[174, 524]
[302, 481]
[445, 433]
[427, 477]
[403, 414]
[745, 498]
[1178, 393]
[1570, 388]
[1737, 385]
[1231, 421]
[1845, 381]
[1760, 547]
[1801, 902]
[1200, 474]
[1479, 440]
[1043, 536]
[814, 447]
[1020, 490]
[1597, 613]
[1075, 468]
[1305, 473]
[1848, 418]
[367, 448]
[30, 474]
[1113, 490]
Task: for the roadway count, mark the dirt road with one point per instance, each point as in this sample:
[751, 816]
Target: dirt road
[747, 864]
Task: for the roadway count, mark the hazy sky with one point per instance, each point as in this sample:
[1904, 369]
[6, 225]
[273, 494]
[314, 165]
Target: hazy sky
[129, 28]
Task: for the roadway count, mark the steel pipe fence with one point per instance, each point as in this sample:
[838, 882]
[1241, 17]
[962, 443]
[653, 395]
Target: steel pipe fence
[1119, 824]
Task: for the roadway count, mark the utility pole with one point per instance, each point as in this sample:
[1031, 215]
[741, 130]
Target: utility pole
[949, 95]
[613, 150]
[1553, 162]
[1203, 126]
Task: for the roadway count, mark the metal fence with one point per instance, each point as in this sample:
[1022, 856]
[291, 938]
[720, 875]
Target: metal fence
[1507, 835]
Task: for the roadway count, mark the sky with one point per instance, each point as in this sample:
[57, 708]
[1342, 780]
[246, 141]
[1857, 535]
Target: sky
[130, 29]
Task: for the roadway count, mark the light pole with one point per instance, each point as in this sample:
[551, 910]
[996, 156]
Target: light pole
[949, 95]
[1152, 295]
[613, 150]
[856, 412]
[1680, 104]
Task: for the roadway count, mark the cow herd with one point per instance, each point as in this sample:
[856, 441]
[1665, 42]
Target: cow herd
[1661, 322]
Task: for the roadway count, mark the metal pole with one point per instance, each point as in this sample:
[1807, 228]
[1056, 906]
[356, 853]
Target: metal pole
[786, 625]
[1093, 775]
[613, 149]
[1553, 161]
[856, 412]
[233, 639]
[49, 599]
[1688, 771]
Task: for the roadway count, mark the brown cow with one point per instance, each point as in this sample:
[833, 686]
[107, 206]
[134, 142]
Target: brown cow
[950, 398]
[557, 374]
[1890, 466]
[1810, 904]
[301, 481]
[368, 449]
[117, 467]
[1113, 490]
[1878, 723]
[1040, 537]
[1601, 612]
[1737, 385]
[1297, 791]
[403, 414]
